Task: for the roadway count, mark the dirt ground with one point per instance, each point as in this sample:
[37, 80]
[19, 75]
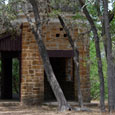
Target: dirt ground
[45, 110]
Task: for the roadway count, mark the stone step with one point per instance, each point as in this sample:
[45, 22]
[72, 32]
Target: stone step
[14, 108]
[9, 103]
[16, 113]
[72, 103]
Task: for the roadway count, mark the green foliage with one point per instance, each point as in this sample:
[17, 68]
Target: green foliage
[79, 16]
[92, 10]
[96, 11]
[65, 5]
[15, 75]
[54, 13]
[94, 77]
[8, 13]
[93, 72]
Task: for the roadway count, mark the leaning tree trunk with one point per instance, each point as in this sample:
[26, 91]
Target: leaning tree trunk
[98, 54]
[110, 63]
[76, 60]
[63, 105]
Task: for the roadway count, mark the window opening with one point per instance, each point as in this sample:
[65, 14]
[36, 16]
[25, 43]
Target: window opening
[57, 35]
[65, 35]
[61, 29]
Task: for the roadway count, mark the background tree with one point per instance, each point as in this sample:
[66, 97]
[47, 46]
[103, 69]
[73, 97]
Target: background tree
[98, 53]
[107, 43]
[110, 63]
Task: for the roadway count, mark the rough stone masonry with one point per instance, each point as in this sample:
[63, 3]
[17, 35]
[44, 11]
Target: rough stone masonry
[54, 37]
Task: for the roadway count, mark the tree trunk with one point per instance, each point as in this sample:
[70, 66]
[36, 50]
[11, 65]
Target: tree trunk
[104, 37]
[76, 60]
[98, 55]
[63, 105]
[110, 64]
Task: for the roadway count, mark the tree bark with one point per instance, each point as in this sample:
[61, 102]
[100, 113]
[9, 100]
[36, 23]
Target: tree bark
[104, 38]
[98, 55]
[110, 16]
[76, 60]
[63, 105]
[110, 63]
[103, 26]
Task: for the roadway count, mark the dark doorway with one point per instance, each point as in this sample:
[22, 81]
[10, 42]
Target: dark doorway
[10, 75]
[6, 80]
[64, 74]
[0, 73]
[10, 49]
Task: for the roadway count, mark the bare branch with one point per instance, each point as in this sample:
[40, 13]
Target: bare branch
[27, 14]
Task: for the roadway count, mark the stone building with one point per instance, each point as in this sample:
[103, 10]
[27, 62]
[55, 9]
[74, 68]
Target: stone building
[33, 84]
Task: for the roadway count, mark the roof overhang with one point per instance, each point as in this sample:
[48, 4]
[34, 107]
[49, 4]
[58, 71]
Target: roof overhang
[10, 43]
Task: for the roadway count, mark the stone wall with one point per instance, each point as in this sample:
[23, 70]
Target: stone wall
[32, 84]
